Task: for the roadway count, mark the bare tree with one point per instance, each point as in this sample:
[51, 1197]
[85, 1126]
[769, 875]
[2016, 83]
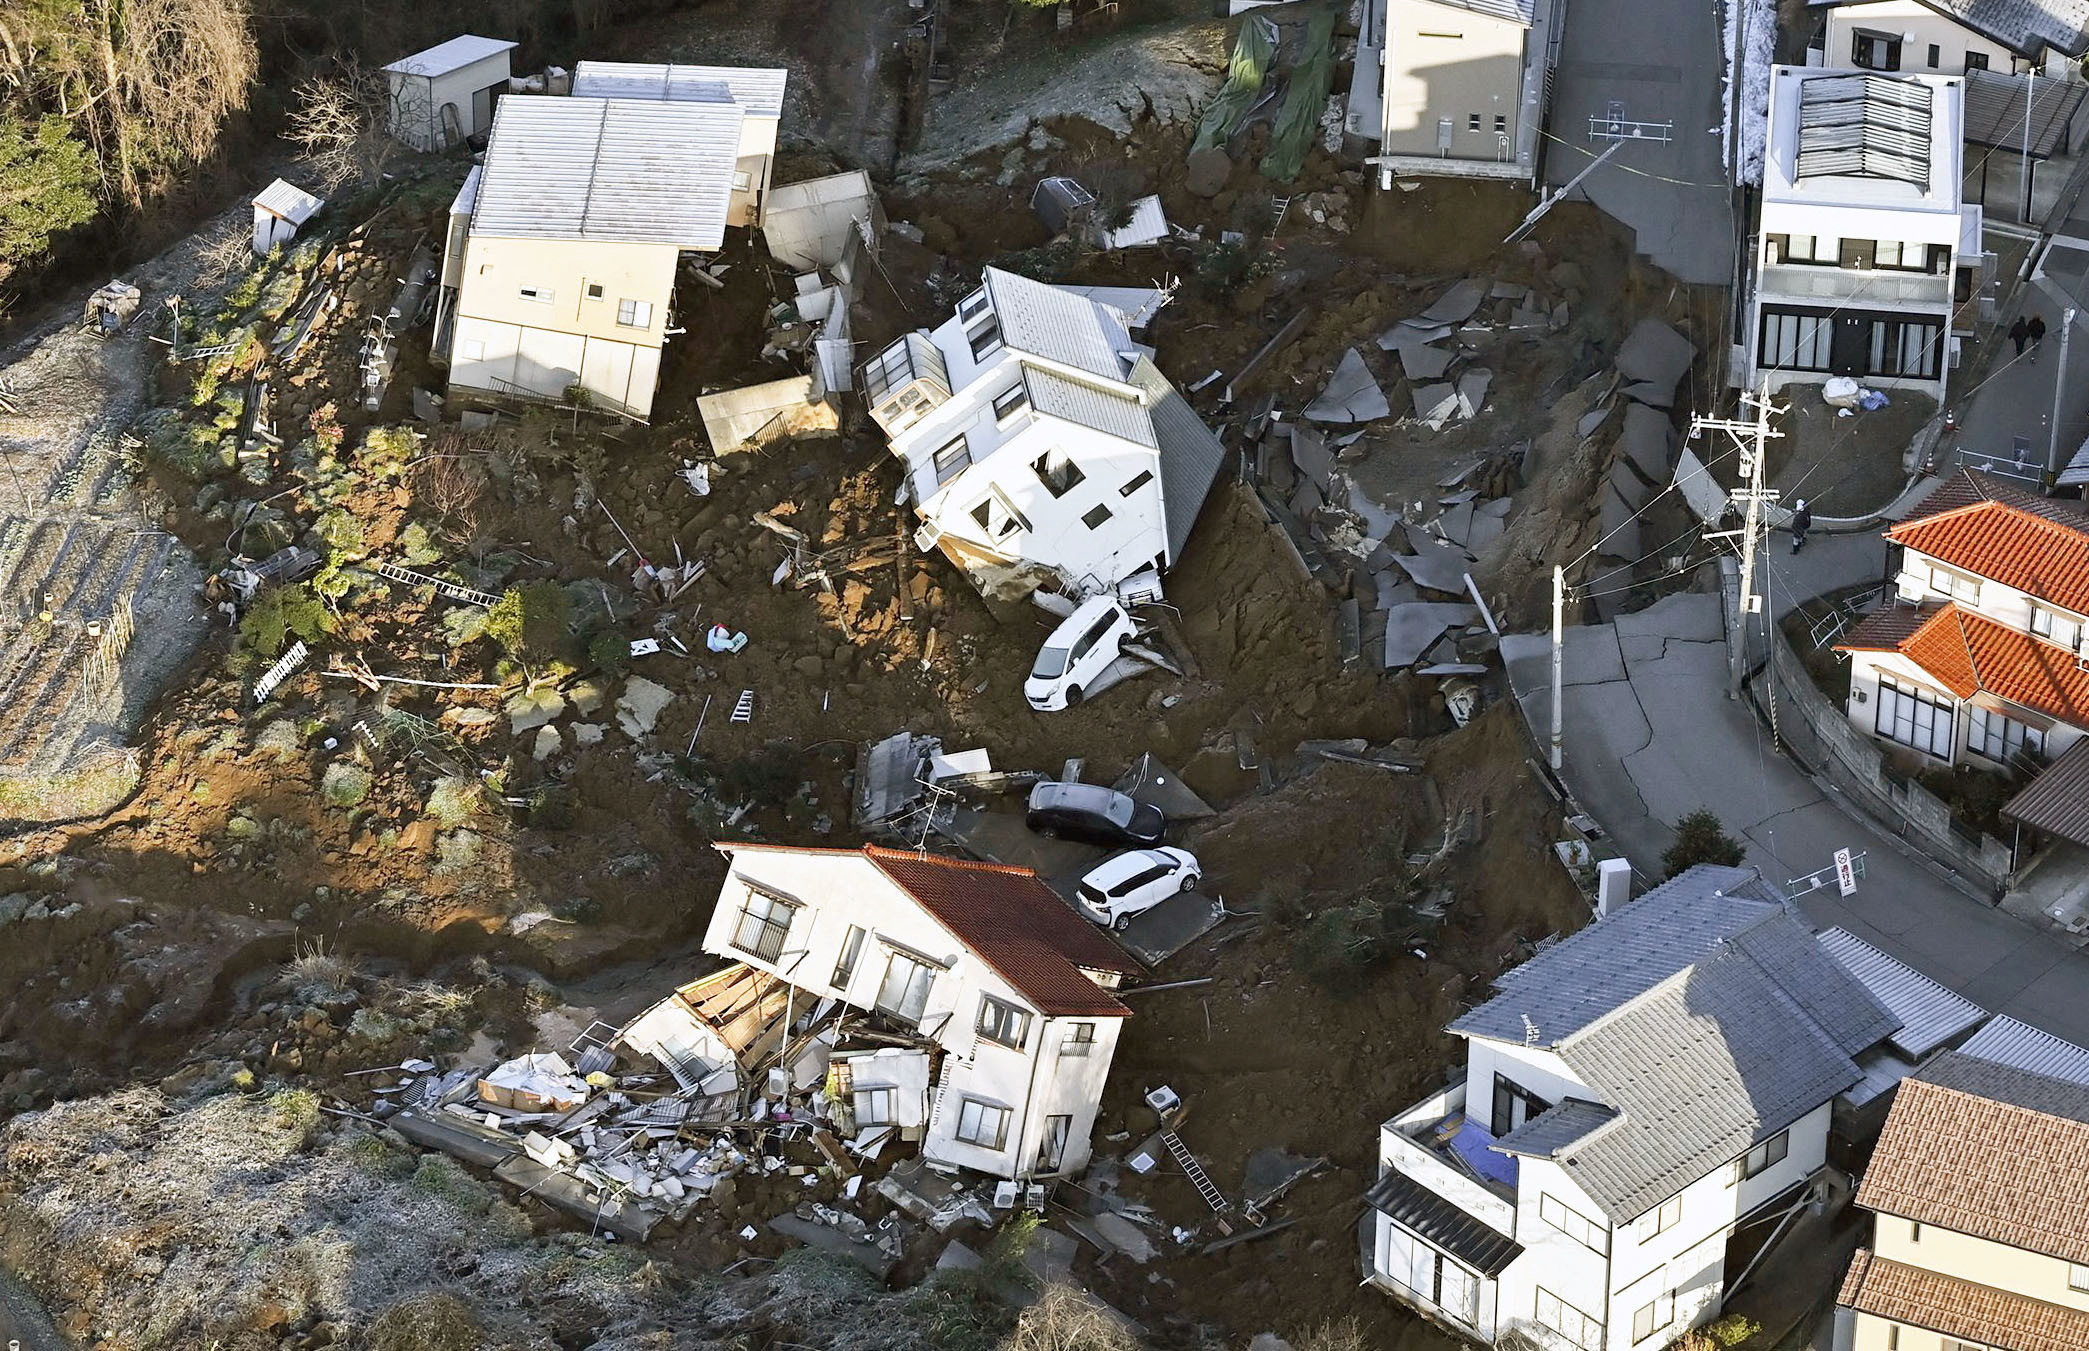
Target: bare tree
[339, 122]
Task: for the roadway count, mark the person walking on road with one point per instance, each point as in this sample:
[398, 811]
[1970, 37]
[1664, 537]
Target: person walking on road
[2037, 332]
[1802, 521]
[2019, 331]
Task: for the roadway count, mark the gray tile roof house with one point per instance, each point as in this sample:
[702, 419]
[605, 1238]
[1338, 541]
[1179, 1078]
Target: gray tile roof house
[1704, 1015]
[2023, 26]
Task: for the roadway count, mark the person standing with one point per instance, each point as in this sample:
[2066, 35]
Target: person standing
[1802, 521]
[2037, 332]
[2019, 331]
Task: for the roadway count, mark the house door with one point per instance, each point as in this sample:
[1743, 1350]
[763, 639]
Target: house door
[1457, 1291]
[482, 109]
[1849, 351]
[1051, 1150]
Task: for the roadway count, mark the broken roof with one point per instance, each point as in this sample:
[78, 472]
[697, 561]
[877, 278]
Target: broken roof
[1987, 1150]
[609, 169]
[1191, 454]
[758, 90]
[445, 57]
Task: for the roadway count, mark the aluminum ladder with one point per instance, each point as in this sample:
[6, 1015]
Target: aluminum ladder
[743, 710]
[395, 573]
[1194, 1171]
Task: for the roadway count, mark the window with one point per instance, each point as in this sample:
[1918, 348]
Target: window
[1059, 474]
[1013, 400]
[535, 294]
[972, 306]
[1795, 341]
[954, 455]
[1501, 124]
[1874, 51]
[851, 950]
[1976, 61]
[2077, 1276]
[2002, 739]
[1654, 1316]
[1954, 1344]
[1136, 482]
[1095, 516]
[1472, 121]
[635, 313]
[1661, 1219]
[1574, 1224]
[765, 921]
[875, 1106]
[1002, 1023]
[742, 181]
[2057, 626]
[1766, 1155]
[904, 991]
[1080, 1039]
[998, 517]
[1956, 585]
[1803, 249]
[1914, 1231]
[1909, 348]
[1051, 1149]
[985, 338]
[1936, 54]
[594, 290]
[1893, 1337]
[1568, 1321]
[1513, 1105]
[982, 1123]
[1914, 718]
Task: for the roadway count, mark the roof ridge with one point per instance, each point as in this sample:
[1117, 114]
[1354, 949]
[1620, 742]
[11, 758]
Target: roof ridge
[1959, 619]
[877, 851]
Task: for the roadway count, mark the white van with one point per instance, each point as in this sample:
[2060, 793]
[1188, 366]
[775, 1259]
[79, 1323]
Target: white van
[1079, 650]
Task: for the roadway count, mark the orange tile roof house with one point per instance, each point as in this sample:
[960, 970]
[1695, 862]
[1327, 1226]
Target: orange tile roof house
[1980, 1194]
[984, 964]
[1978, 659]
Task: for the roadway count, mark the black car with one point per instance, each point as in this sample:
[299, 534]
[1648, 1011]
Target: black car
[1091, 812]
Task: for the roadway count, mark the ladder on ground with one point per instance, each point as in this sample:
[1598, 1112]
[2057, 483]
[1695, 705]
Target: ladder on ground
[1277, 208]
[743, 711]
[442, 588]
[1194, 1170]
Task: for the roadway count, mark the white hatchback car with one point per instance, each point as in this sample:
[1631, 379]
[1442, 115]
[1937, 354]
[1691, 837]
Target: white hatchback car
[1134, 882]
[1079, 650]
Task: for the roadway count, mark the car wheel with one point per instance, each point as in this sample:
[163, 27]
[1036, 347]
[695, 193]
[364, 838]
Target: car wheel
[1049, 832]
[1190, 883]
[1073, 695]
[1121, 923]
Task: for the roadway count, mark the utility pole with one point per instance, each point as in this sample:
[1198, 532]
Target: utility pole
[1559, 643]
[2052, 450]
[1750, 436]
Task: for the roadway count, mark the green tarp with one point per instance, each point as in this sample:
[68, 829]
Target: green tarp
[1298, 120]
[1252, 51]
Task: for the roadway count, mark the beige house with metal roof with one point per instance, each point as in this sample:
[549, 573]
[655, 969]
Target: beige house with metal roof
[757, 91]
[1981, 1212]
[1460, 85]
[560, 270]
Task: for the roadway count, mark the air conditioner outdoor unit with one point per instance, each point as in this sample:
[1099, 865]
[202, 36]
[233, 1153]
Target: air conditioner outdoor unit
[1909, 587]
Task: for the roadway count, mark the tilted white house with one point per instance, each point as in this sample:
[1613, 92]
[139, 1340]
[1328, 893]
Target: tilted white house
[445, 95]
[985, 962]
[564, 245]
[757, 91]
[1040, 442]
[1957, 37]
[1455, 87]
[1862, 231]
[1631, 1095]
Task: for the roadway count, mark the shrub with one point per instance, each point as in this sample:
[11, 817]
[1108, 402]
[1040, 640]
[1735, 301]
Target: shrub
[340, 531]
[529, 622]
[296, 1110]
[1719, 1334]
[609, 652]
[386, 450]
[344, 785]
[315, 973]
[1700, 838]
[1067, 1319]
[428, 1321]
[280, 612]
[453, 801]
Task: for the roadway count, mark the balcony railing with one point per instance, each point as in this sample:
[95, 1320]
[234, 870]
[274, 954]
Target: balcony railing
[1840, 283]
[1416, 1145]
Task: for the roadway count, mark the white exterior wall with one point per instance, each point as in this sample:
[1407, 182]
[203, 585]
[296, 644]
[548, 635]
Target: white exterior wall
[418, 101]
[1447, 62]
[757, 161]
[1919, 27]
[838, 891]
[1533, 1067]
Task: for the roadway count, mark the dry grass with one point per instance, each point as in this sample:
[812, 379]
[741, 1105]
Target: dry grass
[1066, 1319]
[316, 972]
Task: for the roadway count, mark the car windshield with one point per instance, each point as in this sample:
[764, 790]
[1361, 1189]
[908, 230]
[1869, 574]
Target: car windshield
[1118, 808]
[1051, 664]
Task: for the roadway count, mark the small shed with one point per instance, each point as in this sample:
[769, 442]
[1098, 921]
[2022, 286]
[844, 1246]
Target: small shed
[1061, 203]
[808, 225]
[279, 210]
[442, 97]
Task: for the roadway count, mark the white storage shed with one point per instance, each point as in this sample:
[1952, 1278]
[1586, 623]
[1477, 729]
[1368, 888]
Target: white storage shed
[279, 209]
[443, 96]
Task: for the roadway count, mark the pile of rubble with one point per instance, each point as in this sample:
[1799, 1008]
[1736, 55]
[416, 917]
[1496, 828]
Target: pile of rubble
[1650, 364]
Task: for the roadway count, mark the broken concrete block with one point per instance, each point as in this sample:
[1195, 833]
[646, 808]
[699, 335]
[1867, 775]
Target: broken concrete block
[1412, 333]
[1456, 305]
[547, 744]
[1418, 362]
[1435, 405]
[587, 733]
[639, 707]
[1653, 351]
[1352, 394]
[1472, 391]
[531, 709]
[588, 695]
[1591, 420]
[1648, 441]
[470, 717]
[1651, 394]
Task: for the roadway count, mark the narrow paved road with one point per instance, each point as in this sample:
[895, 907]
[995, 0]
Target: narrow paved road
[23, 1321]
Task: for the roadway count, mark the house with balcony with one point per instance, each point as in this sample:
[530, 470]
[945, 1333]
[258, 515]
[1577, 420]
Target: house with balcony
[1958, 37]
[1041, 444]
[1863, 247]
[1455, 88]
[1630, 1096]
[1980, 1216]
[1006, 986]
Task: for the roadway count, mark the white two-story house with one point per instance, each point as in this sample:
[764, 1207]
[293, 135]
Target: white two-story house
[984, 961]
[1980, 1216]
[1041, 443]
[1861, 232]
[1978, 658]
[1957, 37]
[1458, 87]
[1631, 1094]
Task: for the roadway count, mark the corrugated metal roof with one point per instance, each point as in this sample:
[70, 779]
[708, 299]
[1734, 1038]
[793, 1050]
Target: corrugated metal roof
[1994, 113]
[758, 90]
[1558, 1129]
[2057, 801]
[1524, 12]
[1054, 325]
[2005, 1041]
[1930, 1015]
[288, 201]
[1418, 1210]
[445, 57]
[1191, 454]
[609, 169]
[1109, 412]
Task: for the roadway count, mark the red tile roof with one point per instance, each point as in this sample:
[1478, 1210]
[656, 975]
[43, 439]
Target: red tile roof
[1969, 654]
[1017, 925]
[2038, 546]
[1959, 1308]
[1884, 630]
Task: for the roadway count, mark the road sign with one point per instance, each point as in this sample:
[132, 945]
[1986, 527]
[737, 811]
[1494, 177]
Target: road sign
[1845, 872]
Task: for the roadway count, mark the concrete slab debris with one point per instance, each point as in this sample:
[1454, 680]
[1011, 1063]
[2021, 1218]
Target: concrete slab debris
[1352, 394]
[1656, 353]
[1648, 440]
[639, 707]
[1410, 630]
[759, 416]
[1619, 530]
[1472, 391]
[532, 709]
[1436, 569]
[1159, 933]
[598, 1207]
[1410, 333]
[1310, 453]
[547, 744]
[1456, 305]
[1706, 498]
[813, 1234]
[1434, 405]
[1652, 394]
[1423, 363]
[1151, 782]
[1627, 484]
[1591, 420]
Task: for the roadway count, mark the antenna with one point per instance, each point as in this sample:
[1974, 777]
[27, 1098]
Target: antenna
[1530, 1030]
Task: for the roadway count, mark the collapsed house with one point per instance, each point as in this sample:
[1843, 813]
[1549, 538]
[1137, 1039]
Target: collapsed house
[1042, 445]
[964, 1005]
